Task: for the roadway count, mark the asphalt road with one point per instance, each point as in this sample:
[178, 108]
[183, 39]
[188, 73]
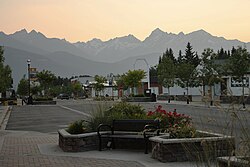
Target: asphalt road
[49, 119]
[46, 119]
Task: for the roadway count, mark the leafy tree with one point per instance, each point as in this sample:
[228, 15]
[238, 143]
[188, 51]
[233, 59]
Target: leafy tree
[187, 76]
[208, 73]
[167, 70]
[120, 82]
[46, 79]
[23, 87]
[99, 85]
[239, 64]
[77, 88]
[5, 74]
[133, 78]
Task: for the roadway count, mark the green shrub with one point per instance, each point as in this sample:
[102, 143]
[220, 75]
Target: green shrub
[43, 99]
[78, 127]
[127, 111]
[104, 114]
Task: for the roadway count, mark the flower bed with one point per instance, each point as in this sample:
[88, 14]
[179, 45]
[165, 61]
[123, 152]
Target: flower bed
[204, 148]
[176, 124]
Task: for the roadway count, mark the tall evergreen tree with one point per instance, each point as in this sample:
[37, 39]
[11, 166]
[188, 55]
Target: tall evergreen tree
[190, 56]
[180, 58]
[186, 70]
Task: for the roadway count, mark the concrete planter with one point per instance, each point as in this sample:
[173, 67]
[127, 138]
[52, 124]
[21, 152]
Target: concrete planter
[47, 102]
[138, 99]
[77, 142]
[201, 149]
[233, 161]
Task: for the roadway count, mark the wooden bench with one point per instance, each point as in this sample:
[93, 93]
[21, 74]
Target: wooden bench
[129, 129]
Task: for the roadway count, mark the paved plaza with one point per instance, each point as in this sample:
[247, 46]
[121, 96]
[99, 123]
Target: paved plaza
[28, 137]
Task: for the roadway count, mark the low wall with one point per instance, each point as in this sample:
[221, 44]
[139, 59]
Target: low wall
[234, 99]
[77, 143]
[175, 97]
[200, 149]
[138, 99]
[44, 102]
[233, 161]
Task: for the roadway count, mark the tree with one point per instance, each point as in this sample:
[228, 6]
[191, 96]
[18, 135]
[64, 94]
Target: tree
[170, 54]
[180, 57]
[238, 65]
[153, 73]
[221, 54]
[23, 87]
[186, 69]
[187, 76]
[77, 88]
[208, 73]
[46, 78]
[133, 78]
[99, 85]
[5, 74]
[167, 70]
[191, 57]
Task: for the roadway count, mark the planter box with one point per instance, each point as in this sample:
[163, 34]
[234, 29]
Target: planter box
[202, 149]
[138, 99]
[233, 161]
[47, 102]
[77, 142]
[234, 99]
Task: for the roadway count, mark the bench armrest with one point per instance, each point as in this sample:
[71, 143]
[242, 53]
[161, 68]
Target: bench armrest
[151, 128]
[104, 125]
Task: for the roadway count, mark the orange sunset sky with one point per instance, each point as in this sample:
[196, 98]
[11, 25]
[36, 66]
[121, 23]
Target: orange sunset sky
[82, 20]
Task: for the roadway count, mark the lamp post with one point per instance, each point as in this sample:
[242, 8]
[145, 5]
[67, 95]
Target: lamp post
[28, 62]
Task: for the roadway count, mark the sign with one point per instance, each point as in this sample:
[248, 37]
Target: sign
[238, 83]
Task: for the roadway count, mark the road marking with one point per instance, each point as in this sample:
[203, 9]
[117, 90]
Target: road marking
[79, 112]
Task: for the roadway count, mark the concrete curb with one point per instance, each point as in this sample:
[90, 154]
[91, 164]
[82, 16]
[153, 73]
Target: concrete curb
[5, 114]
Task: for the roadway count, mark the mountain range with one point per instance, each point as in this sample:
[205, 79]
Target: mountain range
[93, 57]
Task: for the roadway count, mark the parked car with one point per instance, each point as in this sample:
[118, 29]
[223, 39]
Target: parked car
[63, 96]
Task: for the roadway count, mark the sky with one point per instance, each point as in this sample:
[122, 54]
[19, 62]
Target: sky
[83, 20]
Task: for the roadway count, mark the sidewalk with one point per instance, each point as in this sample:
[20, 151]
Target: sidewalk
[29, 149]
[4, 114]
[206, 104]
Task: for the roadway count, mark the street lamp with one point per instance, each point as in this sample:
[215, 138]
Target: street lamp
[28, 62]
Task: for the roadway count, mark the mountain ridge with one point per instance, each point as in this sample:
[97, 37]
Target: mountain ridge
[116, 55]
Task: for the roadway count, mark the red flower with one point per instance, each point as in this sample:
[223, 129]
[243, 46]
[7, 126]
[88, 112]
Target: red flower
[150, 113]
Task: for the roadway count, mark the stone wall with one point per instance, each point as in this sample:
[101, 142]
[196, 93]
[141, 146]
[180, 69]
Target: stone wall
[77, 143]
[192, 149]
[233, 161]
